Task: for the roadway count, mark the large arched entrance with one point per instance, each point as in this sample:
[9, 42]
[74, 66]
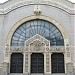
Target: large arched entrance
[37, 63]
[38, 38]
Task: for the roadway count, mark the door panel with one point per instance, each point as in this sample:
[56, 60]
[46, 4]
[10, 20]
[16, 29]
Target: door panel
[16, 63]
[37, 63]
[57, 63]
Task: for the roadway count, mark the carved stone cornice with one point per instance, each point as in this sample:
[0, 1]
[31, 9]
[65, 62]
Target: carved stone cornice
[57, 49]
[16, 49]
[42, 49]
[33, 2]
[37, 44]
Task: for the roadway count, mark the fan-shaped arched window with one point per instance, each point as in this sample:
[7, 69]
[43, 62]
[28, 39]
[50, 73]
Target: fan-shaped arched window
[41, 27]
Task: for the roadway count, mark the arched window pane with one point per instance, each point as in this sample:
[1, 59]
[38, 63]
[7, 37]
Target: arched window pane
[41, 27]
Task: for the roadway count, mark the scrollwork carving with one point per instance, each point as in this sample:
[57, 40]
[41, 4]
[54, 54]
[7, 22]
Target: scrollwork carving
[26, 62]
[68, 51]
[69, 67]
[37, 10]
[37, 37]
[7, 49]
[57, 49]
[47, 62]
[16, 49]
[37, 46]
[47, 48]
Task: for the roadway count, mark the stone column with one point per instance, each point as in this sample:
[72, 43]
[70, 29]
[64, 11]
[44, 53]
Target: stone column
[5, 68]
[29, 63]
[45, 63]
[26, 63]
[7, 53]
[0, 69]
[67, 55]
[48, 63]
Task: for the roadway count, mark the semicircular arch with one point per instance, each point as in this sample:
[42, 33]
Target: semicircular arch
[19, 23]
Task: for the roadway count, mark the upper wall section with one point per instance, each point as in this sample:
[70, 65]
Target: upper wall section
[11, 5]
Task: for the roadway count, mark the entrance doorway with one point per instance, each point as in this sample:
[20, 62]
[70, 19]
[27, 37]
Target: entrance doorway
[16, 65]
[57, 60]
[37, 63]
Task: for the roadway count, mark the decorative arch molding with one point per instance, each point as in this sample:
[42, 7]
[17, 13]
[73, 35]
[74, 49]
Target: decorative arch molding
[56, 23]
[65, 50]
[42, 2]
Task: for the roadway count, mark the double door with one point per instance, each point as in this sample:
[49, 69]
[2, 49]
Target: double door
[37, 63]
[57, 63]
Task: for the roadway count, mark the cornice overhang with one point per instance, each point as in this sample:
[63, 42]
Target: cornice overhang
[5, 10]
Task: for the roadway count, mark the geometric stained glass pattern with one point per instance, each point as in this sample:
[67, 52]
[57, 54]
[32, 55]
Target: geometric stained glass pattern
[37, 26]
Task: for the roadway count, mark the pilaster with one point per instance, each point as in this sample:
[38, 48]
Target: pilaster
[5, 68]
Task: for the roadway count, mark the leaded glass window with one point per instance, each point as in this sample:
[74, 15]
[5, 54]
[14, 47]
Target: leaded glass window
[57, 63]
[37, 26]
[37, 63]
[16, 63]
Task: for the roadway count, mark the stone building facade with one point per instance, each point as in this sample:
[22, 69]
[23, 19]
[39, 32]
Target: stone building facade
[37, 37]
